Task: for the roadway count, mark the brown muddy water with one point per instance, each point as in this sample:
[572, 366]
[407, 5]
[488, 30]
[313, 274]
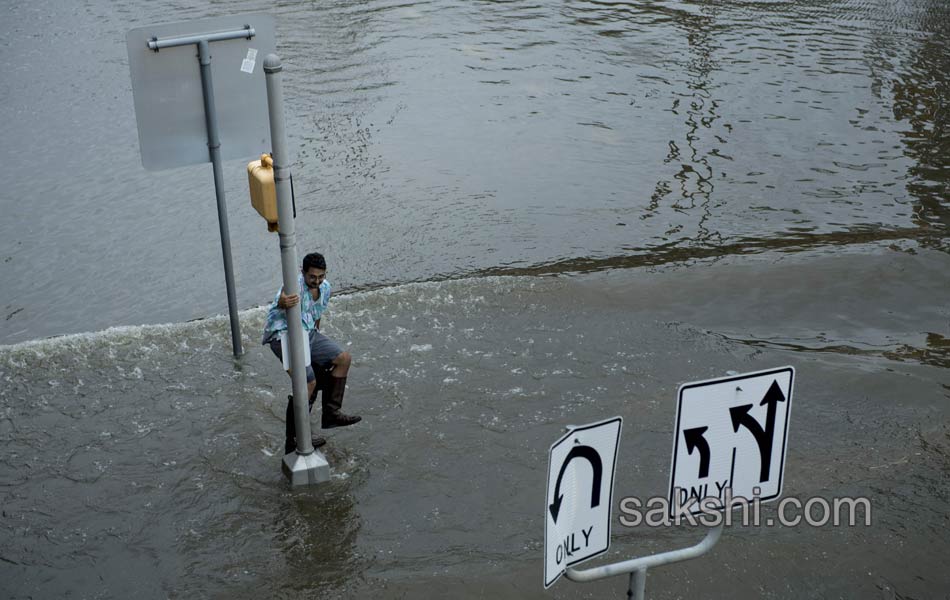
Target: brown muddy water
[535, 214]
[146, 460]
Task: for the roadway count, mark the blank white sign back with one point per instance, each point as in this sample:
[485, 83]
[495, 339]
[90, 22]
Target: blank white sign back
[169, 104]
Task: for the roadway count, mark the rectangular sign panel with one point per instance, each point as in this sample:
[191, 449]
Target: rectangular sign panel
[579, 496]
[169, 104]
[730, 438]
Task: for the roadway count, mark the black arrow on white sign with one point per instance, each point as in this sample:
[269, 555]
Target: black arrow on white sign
[591, 455]
[763, 437]
[694, 439]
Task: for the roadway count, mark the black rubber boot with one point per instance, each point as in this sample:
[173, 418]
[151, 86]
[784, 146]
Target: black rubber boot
[290, 433]
[333, 402]
[321, 382]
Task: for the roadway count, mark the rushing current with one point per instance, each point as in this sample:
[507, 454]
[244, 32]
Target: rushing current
[535, 214]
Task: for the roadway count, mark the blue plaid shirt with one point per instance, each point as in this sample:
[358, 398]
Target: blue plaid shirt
[310, 311]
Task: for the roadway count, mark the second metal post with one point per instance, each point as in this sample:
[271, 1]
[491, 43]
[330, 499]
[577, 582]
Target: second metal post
[214, 150]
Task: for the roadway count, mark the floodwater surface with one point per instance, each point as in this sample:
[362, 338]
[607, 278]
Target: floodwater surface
[534, 215]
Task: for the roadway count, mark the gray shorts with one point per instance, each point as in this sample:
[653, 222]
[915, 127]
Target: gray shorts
[323, 351]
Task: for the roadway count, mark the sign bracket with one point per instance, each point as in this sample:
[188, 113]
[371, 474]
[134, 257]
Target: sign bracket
[637, 567]
[156, 43]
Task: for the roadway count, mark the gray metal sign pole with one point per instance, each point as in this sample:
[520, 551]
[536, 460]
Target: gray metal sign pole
[214, 150]
[214, 147]
[306, 466]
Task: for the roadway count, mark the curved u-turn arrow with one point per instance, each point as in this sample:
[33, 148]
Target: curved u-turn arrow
[591, 455]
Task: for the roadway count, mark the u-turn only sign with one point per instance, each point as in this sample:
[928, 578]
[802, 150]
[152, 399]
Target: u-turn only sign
[579, 496]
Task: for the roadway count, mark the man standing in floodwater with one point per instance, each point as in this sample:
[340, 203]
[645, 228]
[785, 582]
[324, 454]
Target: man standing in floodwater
[329, 363]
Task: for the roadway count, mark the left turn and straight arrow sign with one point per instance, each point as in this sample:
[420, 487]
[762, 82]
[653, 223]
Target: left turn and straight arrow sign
[730, 438]
[579, 496]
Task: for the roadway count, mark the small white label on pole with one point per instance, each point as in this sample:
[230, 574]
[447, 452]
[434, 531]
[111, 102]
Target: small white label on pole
[730, 437]
[247, 65]
[285, 351]
[579, 496]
